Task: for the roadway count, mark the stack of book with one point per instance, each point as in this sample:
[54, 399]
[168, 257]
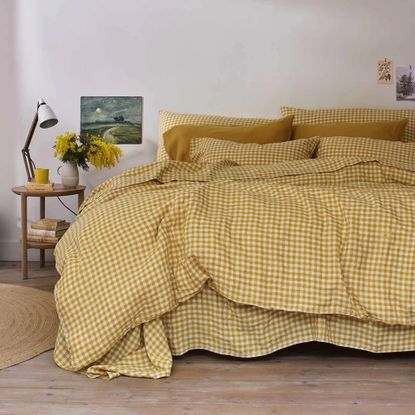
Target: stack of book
[39, 187]
[47, 230]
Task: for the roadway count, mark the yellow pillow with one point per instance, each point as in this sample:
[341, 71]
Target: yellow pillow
[177, 140]
[212, 150]
[326, 116]
[395, 152]
[171, 119]
[384, 130]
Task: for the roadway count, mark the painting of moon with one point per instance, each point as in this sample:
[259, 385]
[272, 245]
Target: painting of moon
[116, 120]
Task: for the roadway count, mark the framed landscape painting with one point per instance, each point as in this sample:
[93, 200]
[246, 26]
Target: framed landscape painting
[117, 120]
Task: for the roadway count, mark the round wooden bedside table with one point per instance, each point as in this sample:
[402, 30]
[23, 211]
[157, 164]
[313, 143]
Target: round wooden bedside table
[24, 193]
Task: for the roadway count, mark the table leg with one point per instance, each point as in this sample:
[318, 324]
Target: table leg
[23, 207]
[42, 215]
[80, 199]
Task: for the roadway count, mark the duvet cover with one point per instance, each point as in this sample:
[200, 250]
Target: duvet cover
[240, 260]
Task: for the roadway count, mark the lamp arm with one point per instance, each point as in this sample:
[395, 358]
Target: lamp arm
[28, 162]
[26, 158]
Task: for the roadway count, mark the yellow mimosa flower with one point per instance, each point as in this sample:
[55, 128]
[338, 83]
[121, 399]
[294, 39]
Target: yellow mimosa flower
[91, 149]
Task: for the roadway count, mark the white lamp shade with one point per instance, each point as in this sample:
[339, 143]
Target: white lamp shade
[46, 116]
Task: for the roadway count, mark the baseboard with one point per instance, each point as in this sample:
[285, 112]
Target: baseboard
[10, 251]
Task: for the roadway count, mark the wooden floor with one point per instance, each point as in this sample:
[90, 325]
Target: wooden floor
[307, 379]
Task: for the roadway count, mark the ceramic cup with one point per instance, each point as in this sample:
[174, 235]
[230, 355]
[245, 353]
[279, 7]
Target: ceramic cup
[41, 175]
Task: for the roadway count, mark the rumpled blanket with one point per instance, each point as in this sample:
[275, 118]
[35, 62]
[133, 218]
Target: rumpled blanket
[321, 236]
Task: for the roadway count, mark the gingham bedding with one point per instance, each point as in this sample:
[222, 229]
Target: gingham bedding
[240, 260]
[212, 150]
[334, 115]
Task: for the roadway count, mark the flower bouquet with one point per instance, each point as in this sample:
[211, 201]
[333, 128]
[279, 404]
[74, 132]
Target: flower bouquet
[75, 150]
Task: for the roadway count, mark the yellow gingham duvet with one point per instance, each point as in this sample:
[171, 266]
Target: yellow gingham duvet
[240, 260]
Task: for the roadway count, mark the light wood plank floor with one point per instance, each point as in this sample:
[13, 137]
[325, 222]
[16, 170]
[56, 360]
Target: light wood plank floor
[307, 379]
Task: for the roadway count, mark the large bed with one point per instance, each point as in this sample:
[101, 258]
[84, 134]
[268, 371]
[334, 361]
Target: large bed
[241, 260]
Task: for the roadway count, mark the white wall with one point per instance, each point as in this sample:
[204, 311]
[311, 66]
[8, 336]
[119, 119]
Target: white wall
[235, 57]
[9, 118]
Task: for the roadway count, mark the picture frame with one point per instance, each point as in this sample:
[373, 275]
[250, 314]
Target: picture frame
[385, 72]
[115, 119]
[405, 83]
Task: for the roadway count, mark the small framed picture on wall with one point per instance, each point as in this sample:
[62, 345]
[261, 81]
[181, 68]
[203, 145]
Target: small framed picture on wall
[385, 72]
[405, 83]
[117, 120]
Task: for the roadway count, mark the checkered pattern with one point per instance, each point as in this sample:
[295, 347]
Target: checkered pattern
[401, 154]
[211, 150]
[198, 324]
[332, 240]
[171, 119]
[322, 116]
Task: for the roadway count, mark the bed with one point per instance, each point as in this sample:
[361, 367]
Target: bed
[240, 259]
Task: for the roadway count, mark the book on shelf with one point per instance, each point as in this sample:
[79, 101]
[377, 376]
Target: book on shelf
[44, 239]
[50, 225]
[46, 232]
[51, 221]
[39, 187]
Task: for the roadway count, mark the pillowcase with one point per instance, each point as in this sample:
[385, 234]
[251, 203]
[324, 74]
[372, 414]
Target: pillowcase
[325, 116]
[177, 140]
[171, 119]
[384, 130]
[212, 150]
[396, 152]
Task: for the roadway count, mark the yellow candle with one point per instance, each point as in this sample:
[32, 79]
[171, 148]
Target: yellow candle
[41, 175]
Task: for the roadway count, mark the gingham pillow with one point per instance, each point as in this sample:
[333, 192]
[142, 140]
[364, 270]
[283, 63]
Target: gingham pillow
[211, 150]
[171, 119]
[395, 152]
[326, 116]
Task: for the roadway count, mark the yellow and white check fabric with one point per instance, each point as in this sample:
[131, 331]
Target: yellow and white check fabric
[402, 154]
[326, 116]
[211, 150]
[211, 322]
[171, 119]
[313, 249]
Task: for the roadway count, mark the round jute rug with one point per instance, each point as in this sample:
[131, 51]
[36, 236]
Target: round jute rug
[28, 323]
